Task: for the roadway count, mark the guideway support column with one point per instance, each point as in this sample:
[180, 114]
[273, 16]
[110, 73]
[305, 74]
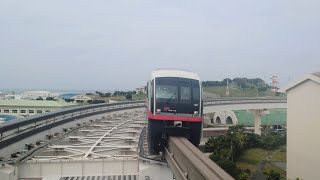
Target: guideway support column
[257, 115]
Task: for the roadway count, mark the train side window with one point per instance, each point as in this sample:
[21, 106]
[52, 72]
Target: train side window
[147, 90]
[196, 92]
[152, 96]
[185, 92]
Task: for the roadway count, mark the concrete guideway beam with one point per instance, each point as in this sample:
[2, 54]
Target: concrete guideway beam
[188, 162]
[234, 107]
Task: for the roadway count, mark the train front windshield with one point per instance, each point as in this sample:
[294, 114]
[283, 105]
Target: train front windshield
[177, 95]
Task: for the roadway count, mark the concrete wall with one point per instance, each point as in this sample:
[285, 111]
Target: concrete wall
[303, 131]
[26, 109]
[154, 171]
[57, 169]
[8, 172]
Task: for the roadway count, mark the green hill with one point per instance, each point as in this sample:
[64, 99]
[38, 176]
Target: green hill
[236, 92]
[238, 87]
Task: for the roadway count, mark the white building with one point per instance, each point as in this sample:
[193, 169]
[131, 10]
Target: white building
[81, 98]
[303, 144]
[141, 89]
[12, 96]
[2, 95]
[37, 94]
[20, 108]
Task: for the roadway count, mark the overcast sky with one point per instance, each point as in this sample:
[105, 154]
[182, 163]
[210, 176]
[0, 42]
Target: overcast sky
[77, 44]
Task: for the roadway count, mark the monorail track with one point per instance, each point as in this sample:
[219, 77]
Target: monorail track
[188, 162]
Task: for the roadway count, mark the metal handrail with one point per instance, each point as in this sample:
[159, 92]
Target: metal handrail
[243, 101]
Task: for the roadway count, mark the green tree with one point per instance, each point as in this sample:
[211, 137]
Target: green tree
[243, 176]
[272, 175]
[128, 96]
[237, 138]
[265, 130]
[69, 100]
[50, 99]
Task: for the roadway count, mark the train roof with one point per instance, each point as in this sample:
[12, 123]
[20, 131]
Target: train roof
[174, 73]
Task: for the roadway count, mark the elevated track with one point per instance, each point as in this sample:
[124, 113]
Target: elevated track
[84, 135]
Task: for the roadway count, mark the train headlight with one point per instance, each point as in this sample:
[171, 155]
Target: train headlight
[195, 112]
[158, 110]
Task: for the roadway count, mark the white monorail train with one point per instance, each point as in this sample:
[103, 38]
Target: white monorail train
[174, 107]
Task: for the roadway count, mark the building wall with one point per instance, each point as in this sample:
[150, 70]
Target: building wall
[303, 131]
[35, 94]
[81, 98]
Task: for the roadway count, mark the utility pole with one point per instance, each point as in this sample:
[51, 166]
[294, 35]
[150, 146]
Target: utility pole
[231, 147]
[227, 91]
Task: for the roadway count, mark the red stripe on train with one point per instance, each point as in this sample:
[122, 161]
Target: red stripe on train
[174, 118]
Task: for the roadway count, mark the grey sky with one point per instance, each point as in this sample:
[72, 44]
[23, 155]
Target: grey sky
[77, 44]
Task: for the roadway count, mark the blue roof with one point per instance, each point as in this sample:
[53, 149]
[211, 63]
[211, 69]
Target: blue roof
[7, 117]
[67, 96]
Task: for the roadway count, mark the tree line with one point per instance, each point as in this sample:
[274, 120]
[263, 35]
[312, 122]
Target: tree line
[241, 82]
[114, 94]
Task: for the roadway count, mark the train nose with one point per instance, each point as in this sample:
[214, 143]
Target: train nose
[177, 123]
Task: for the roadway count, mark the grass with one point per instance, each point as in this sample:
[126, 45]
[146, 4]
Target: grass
[279, 154]
[250, 158]
[139, 96]
[269, 166]
[219, 90]
[244, 166]
[117, 98]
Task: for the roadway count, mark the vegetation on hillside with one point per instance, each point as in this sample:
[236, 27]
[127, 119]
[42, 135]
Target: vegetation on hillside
[115, 94]
[139, 96]
[241, 82]
[239, 87]
[100, 97]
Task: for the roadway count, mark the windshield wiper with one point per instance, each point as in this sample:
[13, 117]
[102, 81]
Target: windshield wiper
[170, 98]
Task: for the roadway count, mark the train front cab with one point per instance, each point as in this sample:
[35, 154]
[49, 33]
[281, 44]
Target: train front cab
[174, 109]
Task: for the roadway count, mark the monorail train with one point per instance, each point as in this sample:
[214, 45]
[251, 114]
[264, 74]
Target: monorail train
[174, 107]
